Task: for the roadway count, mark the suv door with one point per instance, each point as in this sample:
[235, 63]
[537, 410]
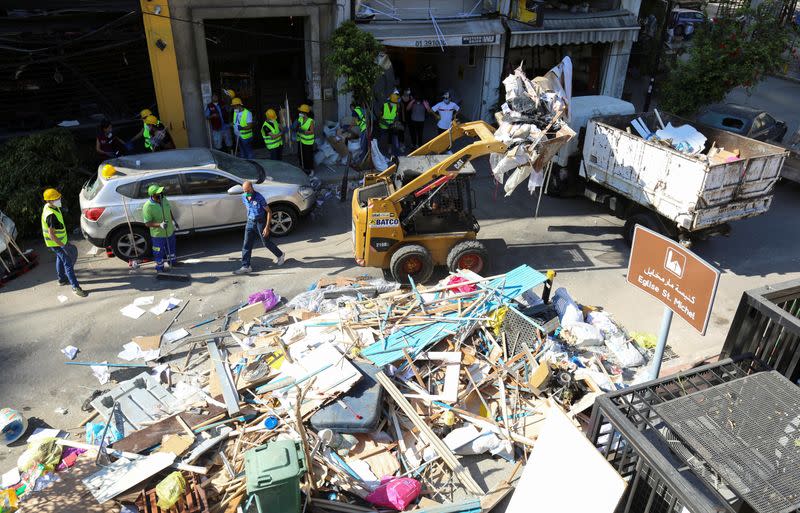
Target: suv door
[178, 200]
[212, 207]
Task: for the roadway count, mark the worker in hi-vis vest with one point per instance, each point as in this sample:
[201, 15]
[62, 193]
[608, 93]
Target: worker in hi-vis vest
[360, 118]
[389, 135]
[243, 128]
[272, 133]
[54, 232]
[144, 133]
[304, 127]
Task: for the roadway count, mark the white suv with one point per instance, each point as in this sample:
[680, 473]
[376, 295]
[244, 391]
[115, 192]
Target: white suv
[201, 185]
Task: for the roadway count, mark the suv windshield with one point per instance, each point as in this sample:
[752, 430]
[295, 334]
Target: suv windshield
[242, 168]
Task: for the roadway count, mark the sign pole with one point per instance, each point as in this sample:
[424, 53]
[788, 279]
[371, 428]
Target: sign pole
[666, 321]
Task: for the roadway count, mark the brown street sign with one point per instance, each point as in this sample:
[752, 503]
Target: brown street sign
[681, 280]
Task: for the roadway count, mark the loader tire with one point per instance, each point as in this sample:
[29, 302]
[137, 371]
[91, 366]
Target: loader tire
[468, 254]
[412, 260]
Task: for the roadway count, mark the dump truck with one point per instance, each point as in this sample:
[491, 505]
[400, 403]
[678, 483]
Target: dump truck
[686, 197]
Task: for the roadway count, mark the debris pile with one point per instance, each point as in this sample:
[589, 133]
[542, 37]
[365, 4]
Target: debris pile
[355, 396]
[533, 124]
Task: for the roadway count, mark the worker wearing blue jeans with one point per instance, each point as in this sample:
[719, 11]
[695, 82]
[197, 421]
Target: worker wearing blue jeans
[258, 218]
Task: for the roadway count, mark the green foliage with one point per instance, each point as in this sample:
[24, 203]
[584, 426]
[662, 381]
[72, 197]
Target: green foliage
[29, 165]
[353, 59]
[728, 53]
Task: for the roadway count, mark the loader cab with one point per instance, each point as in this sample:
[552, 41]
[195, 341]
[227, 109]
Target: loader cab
[448, 211]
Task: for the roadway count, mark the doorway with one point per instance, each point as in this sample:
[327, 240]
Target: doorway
[261, 59]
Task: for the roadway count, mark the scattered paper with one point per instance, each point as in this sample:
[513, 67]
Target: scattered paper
[160, 308]
[178, 334]
[164, 305]
[101, 372]
[132, 311]
[93, 250]
[61, 411]
[70, 352]
[62, 299]
[45, 433]
[10, 478]
[132, 351]
[144, 300]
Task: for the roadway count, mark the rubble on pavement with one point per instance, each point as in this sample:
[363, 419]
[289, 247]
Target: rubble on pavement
[357, 395]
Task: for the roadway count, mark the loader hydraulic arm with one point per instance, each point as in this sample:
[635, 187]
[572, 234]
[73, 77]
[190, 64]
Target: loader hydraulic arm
[452, 165]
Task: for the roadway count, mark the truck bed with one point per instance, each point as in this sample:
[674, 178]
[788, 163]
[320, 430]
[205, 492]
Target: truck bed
[690, 190]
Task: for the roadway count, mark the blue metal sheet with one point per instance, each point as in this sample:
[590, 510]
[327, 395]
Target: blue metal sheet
[416, 339]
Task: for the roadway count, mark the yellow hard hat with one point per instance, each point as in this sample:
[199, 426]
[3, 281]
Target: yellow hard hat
[51, 195]
[271, 114]
[151, 120]
[145, 112]
[108, 171]
[304, 108]
[393, 97]
[229, 93]
[236, 101]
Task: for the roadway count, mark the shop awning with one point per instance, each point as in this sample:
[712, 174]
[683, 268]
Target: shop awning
[571, 29]
[425, 34]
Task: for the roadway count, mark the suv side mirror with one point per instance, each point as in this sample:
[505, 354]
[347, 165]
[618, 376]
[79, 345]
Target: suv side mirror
[236, 189]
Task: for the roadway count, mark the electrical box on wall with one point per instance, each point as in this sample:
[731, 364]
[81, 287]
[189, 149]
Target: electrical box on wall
[530, 12]
[327, 93]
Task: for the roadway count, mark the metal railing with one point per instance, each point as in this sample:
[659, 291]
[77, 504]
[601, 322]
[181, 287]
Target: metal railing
[767, 324]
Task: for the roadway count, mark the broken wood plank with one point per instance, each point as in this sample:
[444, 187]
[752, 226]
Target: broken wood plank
[229, 392]
[441, 449]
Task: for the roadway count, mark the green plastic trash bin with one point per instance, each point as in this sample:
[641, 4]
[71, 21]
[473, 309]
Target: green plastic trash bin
[273, 473]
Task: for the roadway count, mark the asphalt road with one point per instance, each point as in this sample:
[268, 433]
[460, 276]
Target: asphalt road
[575, 237]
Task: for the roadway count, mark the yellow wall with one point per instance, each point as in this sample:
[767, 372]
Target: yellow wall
[157, 25]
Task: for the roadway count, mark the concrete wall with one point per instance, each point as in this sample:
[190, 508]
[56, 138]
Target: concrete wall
[320, 17]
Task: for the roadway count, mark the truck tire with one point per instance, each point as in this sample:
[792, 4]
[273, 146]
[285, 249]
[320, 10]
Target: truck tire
[646, 219]
[468, 254]
[412, 260]
[123, 248]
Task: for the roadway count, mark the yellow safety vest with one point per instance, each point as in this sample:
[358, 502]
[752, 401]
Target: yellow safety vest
[240, 118]
[304, 126]
[274, 129]
[61, 233]
[389, 114]
[362, 120]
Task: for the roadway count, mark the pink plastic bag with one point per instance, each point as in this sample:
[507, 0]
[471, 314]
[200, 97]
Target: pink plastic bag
[395, 492]
[268, 296]
[462, 289]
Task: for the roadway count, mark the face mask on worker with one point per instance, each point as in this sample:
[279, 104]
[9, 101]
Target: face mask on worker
[248, 195]
[302, 115]
[57, 203]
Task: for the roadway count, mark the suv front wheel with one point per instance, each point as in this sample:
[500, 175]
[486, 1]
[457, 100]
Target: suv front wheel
[284, 220]
[127, 246]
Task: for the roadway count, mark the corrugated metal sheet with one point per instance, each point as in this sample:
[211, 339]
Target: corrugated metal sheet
[416, 338]
[571, 29]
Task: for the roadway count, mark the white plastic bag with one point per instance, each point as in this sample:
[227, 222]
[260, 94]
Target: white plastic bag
[585, 334]
[379, 162]
[624, 352]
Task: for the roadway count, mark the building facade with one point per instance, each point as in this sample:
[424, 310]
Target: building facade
[270, 52]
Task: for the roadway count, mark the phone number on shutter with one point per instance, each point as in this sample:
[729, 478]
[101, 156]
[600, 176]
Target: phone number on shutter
[426, 42]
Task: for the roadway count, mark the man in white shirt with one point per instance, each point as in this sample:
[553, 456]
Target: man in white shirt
[445, 111]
